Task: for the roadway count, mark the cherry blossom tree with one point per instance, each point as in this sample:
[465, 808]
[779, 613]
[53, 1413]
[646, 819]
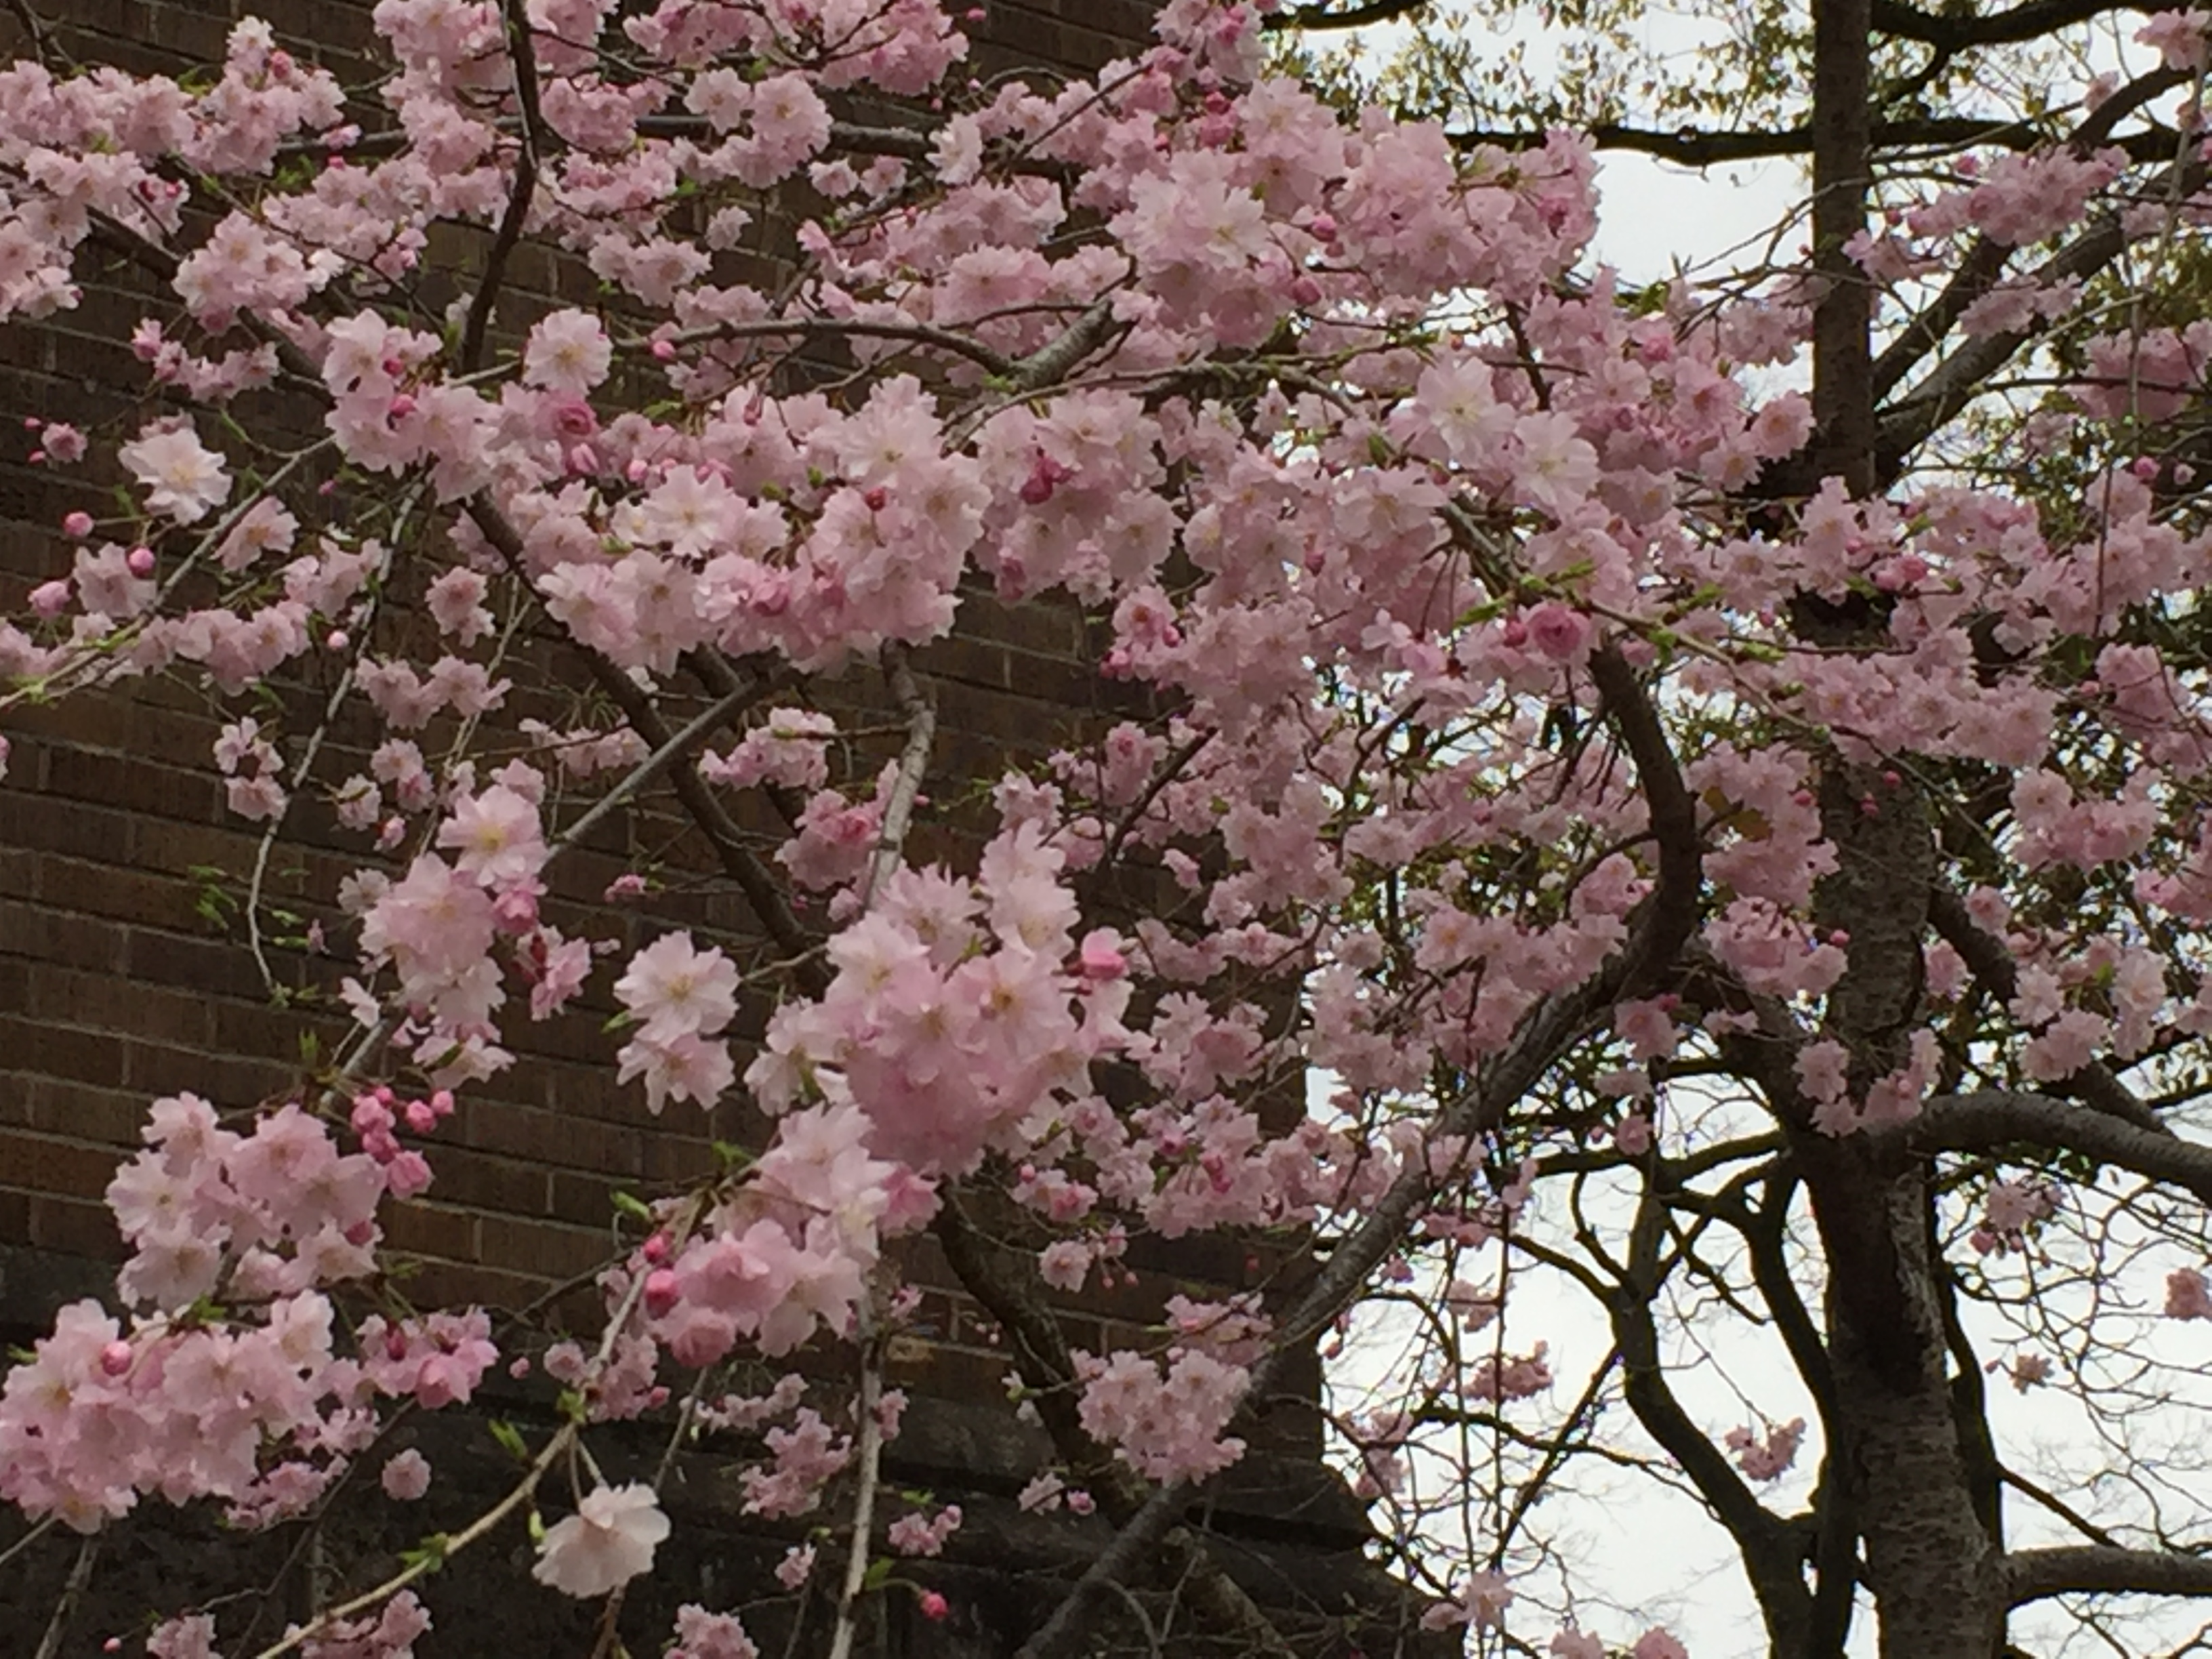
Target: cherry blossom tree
[1732, 850]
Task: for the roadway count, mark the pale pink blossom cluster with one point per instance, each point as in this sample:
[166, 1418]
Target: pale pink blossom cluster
[1767, 1456]
[2009, 1208]
[922, 1533]
[1166, 1422]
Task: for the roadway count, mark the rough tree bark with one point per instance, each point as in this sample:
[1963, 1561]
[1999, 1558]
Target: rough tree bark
[1932, 1565]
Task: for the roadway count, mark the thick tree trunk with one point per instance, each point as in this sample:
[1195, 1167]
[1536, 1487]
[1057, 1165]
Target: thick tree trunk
[1932, 1565]
[1934, 1570]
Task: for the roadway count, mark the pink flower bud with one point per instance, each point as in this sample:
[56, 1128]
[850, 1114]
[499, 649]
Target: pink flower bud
[935, 1607]
[336, 640]
[664, 350]
[50, 599]
[407, 1175]
[660, 1290]
[420, 1118]
[442, 1102]
[875, 499]
[115, 1358]
[140, 561]
[655, 1248]
[77, 524]
[1101, 956]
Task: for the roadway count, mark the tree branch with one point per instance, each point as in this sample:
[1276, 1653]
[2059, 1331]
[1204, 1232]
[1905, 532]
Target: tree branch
[2099, 1570]
[524, 192]
[1986, 958]
[1691, 147]
[1989, 1118]
[1348, 17]
[1956, 32]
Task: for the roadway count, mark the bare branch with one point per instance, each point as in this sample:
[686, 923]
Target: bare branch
[921, 713]
[1957, 31]
[1989, 1118]
[1347, 17]
[2101, 1570]
[523, 192]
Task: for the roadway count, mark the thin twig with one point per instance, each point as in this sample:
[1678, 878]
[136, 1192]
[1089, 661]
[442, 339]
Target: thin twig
[50, 1646]
[668, 753]
[870, 1429]
[914, 761]
[524, 57]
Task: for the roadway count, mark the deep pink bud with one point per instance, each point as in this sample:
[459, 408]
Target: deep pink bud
[401, 406]
[935, 1607]
[77, 524]
[660, 1290]
[875, 499]
[665, 351]
[655, 1248]
[115, 1358]
[407, 1175]
[420, 1118]
[140, 560]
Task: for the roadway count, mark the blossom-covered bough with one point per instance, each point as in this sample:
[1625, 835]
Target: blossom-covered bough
[1696, 844]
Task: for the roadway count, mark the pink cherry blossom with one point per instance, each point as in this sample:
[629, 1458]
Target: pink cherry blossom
[608, 1541]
